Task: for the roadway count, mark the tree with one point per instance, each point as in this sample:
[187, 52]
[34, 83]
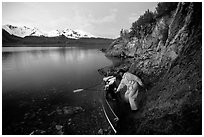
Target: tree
[143, 24]
[165, 8]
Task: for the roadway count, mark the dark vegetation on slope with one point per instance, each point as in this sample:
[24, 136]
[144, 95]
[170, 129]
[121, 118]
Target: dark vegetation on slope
[169, 61]
[7, 38]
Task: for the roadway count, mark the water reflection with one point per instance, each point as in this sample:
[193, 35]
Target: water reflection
[43, 78]
[53, 64]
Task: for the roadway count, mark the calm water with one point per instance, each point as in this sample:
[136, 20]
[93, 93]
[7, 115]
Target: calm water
[35, 78]
[24, 69]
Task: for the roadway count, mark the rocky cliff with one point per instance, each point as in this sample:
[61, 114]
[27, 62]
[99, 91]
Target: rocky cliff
[169, 61]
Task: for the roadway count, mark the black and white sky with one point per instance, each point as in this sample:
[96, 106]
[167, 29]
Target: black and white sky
[104, 19]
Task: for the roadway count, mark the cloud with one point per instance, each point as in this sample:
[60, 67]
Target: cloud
[111, 17]
[105, 19]
[89, 22]
[108, 18]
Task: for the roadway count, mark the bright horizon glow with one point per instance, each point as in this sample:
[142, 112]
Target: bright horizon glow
[102, 19]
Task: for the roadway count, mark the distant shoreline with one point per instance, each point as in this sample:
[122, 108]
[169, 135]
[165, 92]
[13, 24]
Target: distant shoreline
[37, 42]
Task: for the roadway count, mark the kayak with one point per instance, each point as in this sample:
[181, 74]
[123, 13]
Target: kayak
[110, 109]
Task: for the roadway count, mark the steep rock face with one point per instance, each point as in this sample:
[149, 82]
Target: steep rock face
[170, 60]
[160, 48]
[147, 51]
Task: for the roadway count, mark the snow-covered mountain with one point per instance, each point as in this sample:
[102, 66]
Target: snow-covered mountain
[22, 31]
[37, 32]
[54, 33]
[69, 33]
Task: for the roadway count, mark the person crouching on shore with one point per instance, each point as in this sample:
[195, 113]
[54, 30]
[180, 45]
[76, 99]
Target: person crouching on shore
[132, 82]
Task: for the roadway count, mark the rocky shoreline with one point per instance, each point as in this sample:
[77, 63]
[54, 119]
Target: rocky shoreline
[42, 117]
[169, 62]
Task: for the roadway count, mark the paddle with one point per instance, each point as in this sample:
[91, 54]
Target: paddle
[78, 90]
[81, 89]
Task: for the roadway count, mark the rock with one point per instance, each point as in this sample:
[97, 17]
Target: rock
[103, 50]
[59, 111]
[100, 131]
[76, 109]
[59, 127]
[60, 132]
[38, 132]
[29, 115]
[26, 115]
[68, 110]
[52, 113]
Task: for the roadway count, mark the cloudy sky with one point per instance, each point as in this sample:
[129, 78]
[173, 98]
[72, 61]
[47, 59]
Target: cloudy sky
[100, 18]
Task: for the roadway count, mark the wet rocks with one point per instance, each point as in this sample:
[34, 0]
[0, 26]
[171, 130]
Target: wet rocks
[38, 132]
[106, 131]
[52, 119]
[68, 110]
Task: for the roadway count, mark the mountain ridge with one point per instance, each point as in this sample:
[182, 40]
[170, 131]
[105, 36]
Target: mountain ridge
[19, 36]
[9, 40]
[23, 31]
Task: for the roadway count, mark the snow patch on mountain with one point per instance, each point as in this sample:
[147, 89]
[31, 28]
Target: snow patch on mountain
[18, 31]
[69, 33]
[54, 33]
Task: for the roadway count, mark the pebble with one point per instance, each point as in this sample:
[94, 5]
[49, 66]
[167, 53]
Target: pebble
[39, 109]
[68, 111]
[59, 111]
[60, 132]
[51, 113]
[58, 127]
[100, 131]
[37, 132]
